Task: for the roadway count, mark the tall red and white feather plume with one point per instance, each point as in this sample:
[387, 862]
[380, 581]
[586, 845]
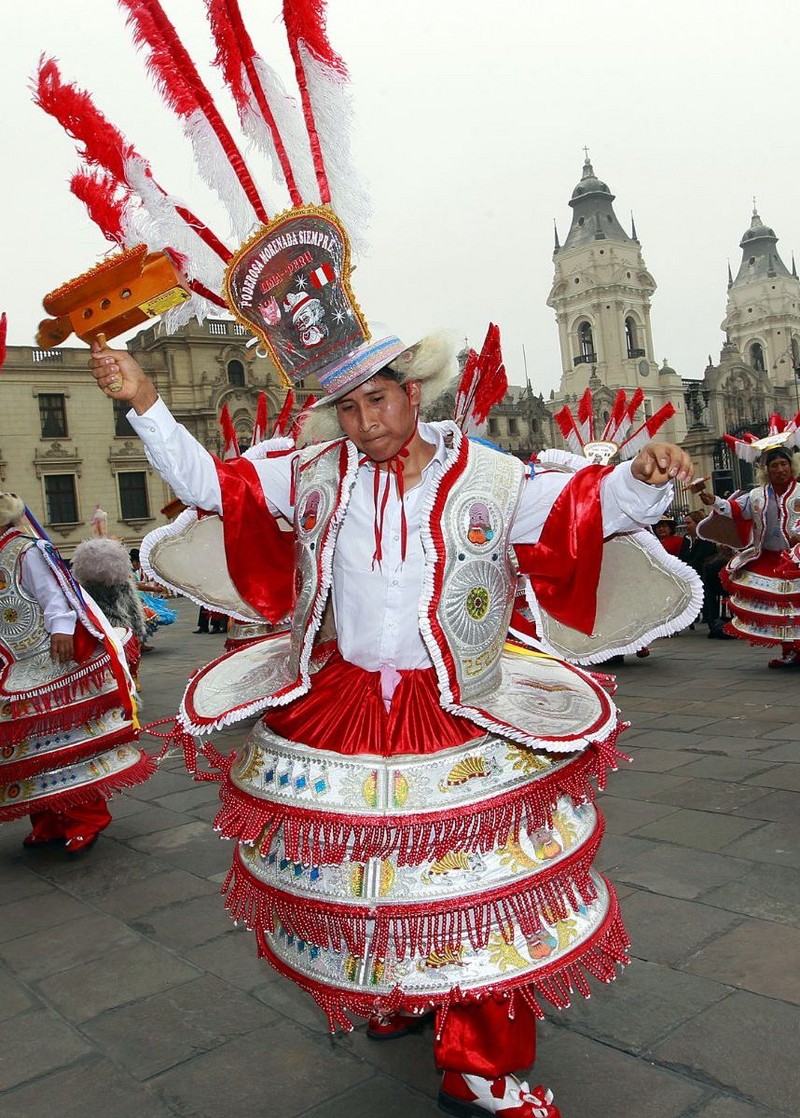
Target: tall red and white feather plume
[579, 433]
[268, 115]
[483, 384]
[645, 432]
[123, 197]
[780, 433]
[262, 418]
[230, 442]
[284, 419]
[217, 155]
[325, 97]
[308, 143]
[3, 336]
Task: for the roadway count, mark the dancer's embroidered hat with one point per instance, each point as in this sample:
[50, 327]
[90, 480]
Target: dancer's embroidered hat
[616, 437]
[783, 436]
[290, 285]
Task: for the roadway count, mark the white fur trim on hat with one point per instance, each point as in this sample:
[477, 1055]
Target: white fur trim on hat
[12, 508]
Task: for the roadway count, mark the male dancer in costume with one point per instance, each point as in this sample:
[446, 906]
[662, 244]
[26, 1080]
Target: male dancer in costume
[383, 523]
[763, 584]
[67, 711]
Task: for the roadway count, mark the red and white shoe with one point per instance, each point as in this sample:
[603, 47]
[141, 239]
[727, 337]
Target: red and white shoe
[471, 1096]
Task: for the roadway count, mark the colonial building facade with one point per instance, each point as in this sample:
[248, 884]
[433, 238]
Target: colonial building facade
[67, 449]
[601, 295]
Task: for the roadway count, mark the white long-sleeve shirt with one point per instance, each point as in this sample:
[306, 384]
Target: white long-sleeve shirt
[375, 607]
[40, 582]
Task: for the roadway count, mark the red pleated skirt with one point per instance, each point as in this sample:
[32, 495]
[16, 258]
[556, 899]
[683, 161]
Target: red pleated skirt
[345, 713]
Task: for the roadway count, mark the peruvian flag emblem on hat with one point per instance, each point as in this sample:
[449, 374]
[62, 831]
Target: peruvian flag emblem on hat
[322, 276]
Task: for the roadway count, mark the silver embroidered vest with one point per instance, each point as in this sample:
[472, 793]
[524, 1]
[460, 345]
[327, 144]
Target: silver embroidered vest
[470, 569]
[788, 520]
[22, 631]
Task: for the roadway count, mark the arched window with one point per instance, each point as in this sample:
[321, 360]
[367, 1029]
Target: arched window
[757, 356]
[632, 339]
[236, 374]
[586, 354]
[796, 354]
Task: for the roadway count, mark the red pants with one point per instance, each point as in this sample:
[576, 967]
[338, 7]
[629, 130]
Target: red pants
[81, 820]
[482, 1039]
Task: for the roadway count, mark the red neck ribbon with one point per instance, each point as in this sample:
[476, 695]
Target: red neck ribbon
[564, 566]
[395, 466]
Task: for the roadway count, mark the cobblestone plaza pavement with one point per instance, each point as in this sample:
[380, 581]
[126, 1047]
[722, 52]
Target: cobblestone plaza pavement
[126, 992]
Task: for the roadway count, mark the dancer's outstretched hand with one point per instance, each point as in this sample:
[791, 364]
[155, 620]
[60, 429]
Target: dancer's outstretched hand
[658, 463]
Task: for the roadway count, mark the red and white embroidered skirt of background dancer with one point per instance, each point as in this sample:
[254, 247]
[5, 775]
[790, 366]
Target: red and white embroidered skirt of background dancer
[764, 600]
[67, 733]
[381, 872]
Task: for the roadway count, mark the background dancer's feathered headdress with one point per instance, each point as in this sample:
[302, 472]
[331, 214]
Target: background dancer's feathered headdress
[782, 435]
[286, 276]
[616, 436]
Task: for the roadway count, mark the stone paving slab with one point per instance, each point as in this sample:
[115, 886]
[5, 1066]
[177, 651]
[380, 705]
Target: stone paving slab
[40, 1043]
[702, 830]
[765, 893]
[79, 942]
[647, 1002]
[122, 976]
[667, 930]
[625, 816]
[780, 806]
[744, 957]
[38, 912]
[679, 872]
[380, 1096]
[196, 1017]
[739, 1045]
[594, 1080]
[159, 890]
[86, 1090]
[708, 795]
[230, 1080]
[183, 927]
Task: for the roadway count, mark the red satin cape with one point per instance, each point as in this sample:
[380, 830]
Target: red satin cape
[564, 566]
[259, 554]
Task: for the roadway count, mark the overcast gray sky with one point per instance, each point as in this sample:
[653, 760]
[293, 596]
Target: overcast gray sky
[471, 121]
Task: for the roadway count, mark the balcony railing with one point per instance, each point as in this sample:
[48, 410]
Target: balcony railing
[53, 356]
[636, 353]
[585, 359]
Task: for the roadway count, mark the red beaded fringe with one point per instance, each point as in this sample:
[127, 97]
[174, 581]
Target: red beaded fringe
[59, 715]
[769, 596]
[419, 929]
[40, 762]
[104, 789]
[768, 618]
[314, 837]
[599, 957]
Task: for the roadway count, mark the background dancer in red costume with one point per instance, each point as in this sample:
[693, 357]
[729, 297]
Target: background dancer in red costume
[763, 578]
[67, 710]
